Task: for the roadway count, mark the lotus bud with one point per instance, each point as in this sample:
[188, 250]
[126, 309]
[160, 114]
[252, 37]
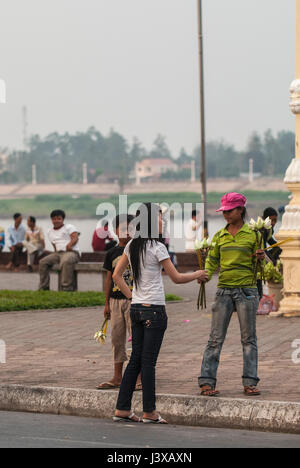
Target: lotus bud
[268, 224]
[260, 223]
[252, 224]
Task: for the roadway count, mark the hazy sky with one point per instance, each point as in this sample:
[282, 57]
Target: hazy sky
[133, 65]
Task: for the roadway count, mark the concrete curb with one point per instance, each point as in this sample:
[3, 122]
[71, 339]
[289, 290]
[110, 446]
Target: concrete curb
[273, 416]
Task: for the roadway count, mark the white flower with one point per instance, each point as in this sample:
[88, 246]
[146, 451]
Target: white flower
[260, 223]
[268, 224]
[257, 225]
[198, 244]
[204, 244]
[252, 224]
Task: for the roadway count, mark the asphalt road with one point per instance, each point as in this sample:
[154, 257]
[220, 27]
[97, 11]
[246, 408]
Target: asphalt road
[24, 430]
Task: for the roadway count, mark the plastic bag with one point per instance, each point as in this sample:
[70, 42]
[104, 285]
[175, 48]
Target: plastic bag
[267, 305]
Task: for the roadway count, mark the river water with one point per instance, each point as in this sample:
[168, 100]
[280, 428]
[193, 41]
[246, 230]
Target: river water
[86, 228]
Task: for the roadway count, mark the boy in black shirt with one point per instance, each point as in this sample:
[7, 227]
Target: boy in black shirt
[117, 306]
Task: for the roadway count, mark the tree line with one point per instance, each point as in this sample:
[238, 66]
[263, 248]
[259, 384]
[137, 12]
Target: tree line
[59, 157]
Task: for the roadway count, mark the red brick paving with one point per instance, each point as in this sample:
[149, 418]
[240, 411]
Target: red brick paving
[56, 348]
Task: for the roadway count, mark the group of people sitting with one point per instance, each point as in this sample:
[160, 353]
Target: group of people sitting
[19, 238]
[63, 238]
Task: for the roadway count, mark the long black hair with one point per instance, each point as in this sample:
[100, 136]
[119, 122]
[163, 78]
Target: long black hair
[244, 213]
[146, 225]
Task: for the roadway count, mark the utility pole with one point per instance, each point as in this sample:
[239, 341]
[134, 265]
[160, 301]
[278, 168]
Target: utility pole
[202, 118]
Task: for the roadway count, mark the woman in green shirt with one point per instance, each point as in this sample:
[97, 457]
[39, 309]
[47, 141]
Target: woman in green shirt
[234, 252]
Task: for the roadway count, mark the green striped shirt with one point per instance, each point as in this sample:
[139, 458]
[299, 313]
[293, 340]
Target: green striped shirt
[234, 256]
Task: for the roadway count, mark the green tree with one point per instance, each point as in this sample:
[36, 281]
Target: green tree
[160, 148]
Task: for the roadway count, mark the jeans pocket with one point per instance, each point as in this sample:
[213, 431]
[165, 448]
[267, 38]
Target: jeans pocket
[154, 318]
[250, 293]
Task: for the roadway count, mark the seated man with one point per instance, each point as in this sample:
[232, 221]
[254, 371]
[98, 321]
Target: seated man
[64, 238]
[34, 242]
[16, 235]
[102, 239]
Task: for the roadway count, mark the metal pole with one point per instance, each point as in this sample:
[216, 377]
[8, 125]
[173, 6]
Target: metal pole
[202, 118]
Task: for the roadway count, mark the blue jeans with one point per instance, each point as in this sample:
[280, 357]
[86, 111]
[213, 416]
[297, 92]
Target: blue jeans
[245, 302]
[149, 324]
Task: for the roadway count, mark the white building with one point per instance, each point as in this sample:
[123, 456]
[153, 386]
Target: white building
[149, 169]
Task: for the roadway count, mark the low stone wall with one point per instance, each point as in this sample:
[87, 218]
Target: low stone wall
[187, 261]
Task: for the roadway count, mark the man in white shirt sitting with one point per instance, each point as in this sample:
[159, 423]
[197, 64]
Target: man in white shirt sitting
[64, 238]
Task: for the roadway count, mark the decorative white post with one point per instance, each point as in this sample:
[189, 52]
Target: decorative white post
[34, 181]
[251, 176]
[84, 174]
[290, 305]
[193, 172]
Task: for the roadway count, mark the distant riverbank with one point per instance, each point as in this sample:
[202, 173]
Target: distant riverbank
[84, 206]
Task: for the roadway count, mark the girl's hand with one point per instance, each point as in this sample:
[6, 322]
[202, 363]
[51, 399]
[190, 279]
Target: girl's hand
[260, 254]
[202, 276]
[107, 312]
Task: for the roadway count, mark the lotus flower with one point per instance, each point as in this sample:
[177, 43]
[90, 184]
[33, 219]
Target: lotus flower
[204, 244]
[252, 224]
[258, 226]
[260, 223]
[268, 224]
[100, 336]
[202, 248]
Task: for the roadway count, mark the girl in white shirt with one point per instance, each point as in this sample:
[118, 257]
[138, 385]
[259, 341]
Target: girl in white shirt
[147, 256]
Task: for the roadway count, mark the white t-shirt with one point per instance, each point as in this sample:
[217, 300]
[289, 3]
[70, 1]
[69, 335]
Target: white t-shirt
[191, 234]
[61, 237]
[151, 288]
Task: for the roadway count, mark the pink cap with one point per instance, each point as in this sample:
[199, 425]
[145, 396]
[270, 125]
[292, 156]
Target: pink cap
[232, 200]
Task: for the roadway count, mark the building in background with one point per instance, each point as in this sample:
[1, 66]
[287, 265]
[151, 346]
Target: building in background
[149, 170]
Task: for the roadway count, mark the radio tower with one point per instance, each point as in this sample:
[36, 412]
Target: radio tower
[25, 127]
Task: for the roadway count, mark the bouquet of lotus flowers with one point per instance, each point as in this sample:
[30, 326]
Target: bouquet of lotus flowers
[260, 226]
[100, 336]
[273, 273]
[202, 248]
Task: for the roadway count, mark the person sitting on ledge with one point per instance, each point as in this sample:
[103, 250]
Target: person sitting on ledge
[64, 238]
[34, 242]
[16, 235]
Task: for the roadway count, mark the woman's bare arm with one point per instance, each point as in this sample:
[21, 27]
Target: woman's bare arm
[118, 276]
[181, 278]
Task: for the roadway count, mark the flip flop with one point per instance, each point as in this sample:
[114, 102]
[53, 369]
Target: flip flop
[107, 386]
[159, 420]
[209, 392]
[127, 419]
[251, 390]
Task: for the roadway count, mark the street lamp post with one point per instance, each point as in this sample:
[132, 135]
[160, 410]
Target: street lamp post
[202, 118]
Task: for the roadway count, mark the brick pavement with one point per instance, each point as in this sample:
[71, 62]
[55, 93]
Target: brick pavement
[56, 348]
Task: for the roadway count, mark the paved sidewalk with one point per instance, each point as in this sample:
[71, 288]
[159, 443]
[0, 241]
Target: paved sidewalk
[56, 348]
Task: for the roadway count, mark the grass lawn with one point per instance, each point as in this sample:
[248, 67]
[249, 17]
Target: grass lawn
[39, 300]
